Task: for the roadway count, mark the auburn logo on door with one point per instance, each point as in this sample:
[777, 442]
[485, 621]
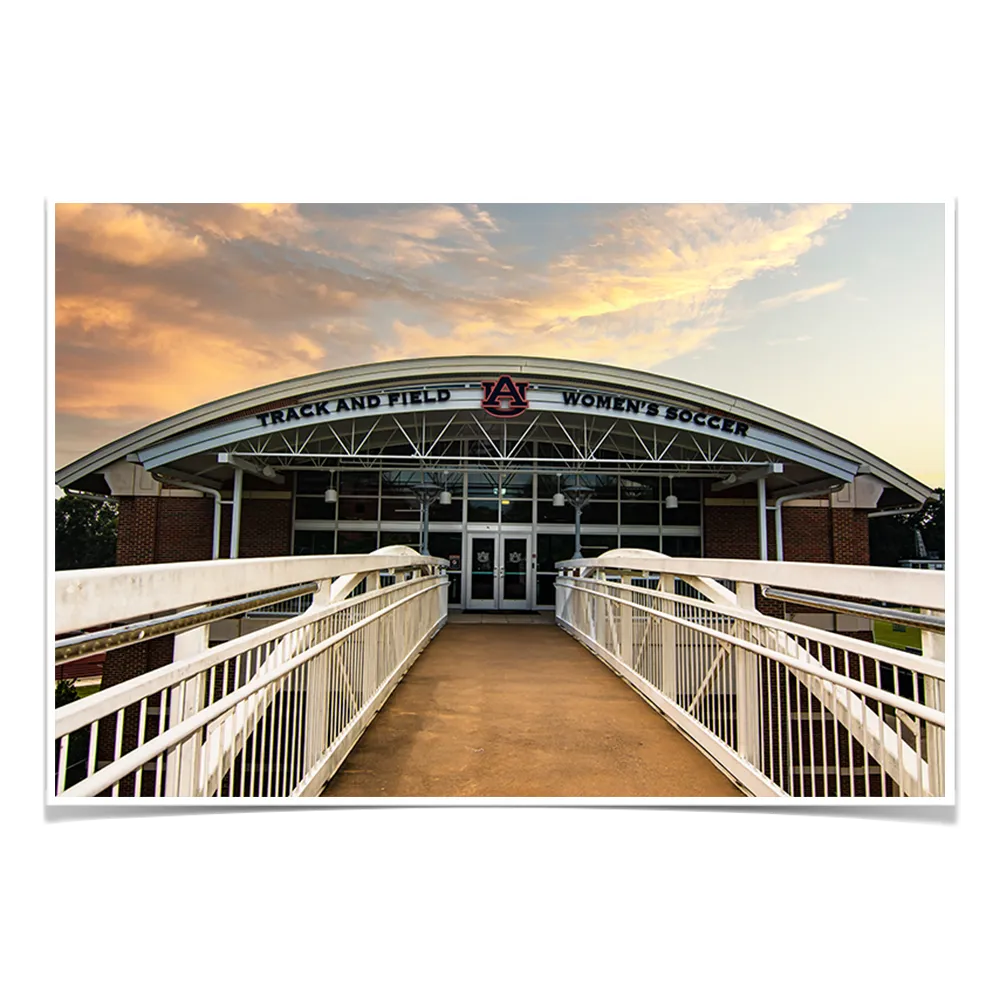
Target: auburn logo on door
[505, 397]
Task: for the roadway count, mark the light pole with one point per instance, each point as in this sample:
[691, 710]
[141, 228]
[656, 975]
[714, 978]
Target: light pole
[427, 494]
[578, 497]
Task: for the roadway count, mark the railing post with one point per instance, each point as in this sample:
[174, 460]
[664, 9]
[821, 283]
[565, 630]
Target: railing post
[668, 641]
[322, 596]
[601, 606]
[368, 637]
[625, 653]
[182, 761]
[748, 720]
[932, 645]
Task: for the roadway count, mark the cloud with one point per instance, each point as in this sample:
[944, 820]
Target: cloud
[780, 341]
[162, 307]
[124, 234]
[650, 286]
[803, 295]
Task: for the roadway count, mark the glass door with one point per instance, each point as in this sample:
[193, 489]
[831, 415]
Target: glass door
[514, 569]
[483, 573]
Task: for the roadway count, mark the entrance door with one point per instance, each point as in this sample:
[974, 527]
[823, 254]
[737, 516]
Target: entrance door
[483, 573]
[514, 564]
[498, 575]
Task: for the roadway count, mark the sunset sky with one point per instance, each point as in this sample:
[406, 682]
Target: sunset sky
[831, 313]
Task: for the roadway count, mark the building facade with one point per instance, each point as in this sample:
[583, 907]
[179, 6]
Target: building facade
[489, 462]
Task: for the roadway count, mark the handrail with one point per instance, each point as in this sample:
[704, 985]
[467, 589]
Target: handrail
[172, 737]
[914, 708]
[932, 623]
[73, 647]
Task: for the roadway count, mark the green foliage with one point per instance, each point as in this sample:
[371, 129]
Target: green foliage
[78, 745]
[66, 692]
[892, 539]
[86, 532]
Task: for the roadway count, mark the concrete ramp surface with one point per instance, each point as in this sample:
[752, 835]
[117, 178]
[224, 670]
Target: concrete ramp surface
[516, 710]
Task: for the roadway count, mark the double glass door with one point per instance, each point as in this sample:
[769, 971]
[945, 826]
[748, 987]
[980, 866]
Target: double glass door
[498, 567]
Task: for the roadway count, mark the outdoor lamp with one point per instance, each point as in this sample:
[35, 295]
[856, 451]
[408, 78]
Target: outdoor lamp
[671, 501]
[445, 498]
[330, 496]
[558, 500]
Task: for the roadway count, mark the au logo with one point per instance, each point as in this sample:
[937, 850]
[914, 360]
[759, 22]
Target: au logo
[505, 397]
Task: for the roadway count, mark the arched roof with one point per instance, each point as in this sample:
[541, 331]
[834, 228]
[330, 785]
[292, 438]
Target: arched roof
[539, 372]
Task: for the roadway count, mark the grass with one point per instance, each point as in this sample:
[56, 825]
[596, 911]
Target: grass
[904, 637]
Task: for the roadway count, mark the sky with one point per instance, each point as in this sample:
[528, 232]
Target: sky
[833, 313]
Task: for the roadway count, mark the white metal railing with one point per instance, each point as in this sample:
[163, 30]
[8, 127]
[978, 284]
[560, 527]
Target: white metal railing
[785, 708]
[272, 713]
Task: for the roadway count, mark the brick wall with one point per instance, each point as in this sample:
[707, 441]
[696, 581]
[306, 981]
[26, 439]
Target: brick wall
[179, 529]
[809, 534]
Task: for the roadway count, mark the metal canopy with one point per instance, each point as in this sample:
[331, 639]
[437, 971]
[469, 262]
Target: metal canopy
[458, 434]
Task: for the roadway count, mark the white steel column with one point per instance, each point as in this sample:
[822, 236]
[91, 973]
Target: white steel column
[234, 527]
[762, 516]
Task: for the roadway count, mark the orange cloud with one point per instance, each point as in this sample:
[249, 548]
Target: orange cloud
[125, 235]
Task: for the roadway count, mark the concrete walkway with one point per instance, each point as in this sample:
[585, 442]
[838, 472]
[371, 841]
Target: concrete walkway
[521, 710]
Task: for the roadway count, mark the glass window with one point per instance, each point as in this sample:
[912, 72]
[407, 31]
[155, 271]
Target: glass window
[446, 545]
[313, 543]
[314, 509]
[553, 549]
[484, 484]
[313, 482]
[517, 485]
[683, 513]
[398, 483]
[515, 512]
[357, 509]
[681, 545]
[410, 538]
[684, 489]
[548, 485]
[359, 484]
[545, 589]
[547, 514]
[483, 511]
[400, 509]
[640, 513]
[447, 512]
[599, 512]
[593, 545]
[651, 542]
[356, 542]
[640, 488]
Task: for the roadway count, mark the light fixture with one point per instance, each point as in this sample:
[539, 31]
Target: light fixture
[445, 498]
[558, 500]
[268, 472]
[671, 501]
[330, 496]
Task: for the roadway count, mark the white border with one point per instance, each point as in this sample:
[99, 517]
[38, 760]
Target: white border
[955, 486]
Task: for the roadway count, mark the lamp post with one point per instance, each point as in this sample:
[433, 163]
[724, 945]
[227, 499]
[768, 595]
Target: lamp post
[578, 497]
[427, 494]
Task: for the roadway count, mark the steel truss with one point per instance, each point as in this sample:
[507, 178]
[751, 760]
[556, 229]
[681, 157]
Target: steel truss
[467, 439]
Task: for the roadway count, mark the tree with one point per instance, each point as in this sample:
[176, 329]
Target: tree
[86, 532]
[893, 539]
